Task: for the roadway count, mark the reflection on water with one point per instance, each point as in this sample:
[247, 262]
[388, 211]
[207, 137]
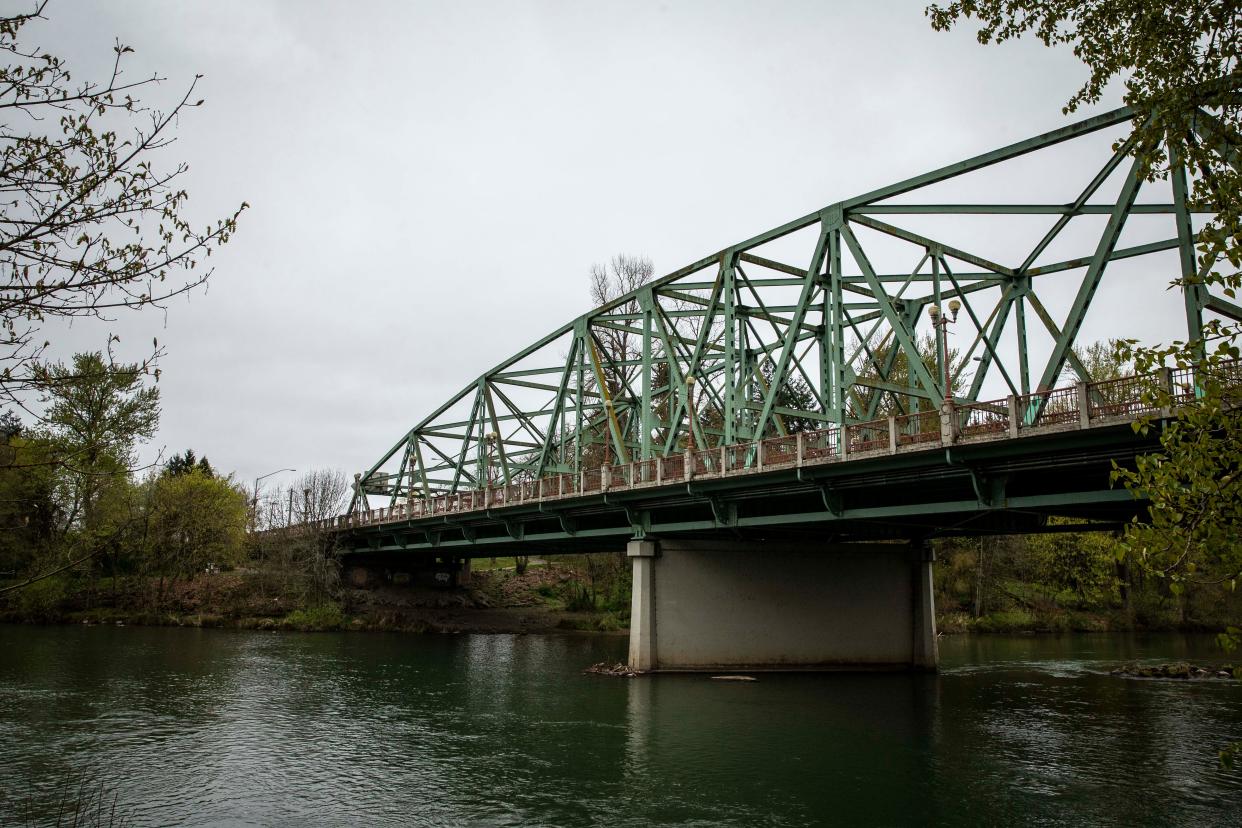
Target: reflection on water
[206, 727]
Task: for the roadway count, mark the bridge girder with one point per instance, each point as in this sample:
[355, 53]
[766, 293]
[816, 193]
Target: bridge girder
[797, 328]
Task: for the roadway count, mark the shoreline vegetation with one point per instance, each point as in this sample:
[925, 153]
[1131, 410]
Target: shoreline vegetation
[565, 593]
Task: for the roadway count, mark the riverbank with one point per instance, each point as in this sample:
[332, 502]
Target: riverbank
[496, 601]
[545, 597]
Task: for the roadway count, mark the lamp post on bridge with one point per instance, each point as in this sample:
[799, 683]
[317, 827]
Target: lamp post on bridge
[490, 439]
[690, 414]
[941, 321]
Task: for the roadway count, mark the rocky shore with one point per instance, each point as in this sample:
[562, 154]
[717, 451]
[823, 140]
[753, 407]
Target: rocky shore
[1179, 670]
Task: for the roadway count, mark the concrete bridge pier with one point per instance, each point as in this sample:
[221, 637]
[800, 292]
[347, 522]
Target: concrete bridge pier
[762, 605]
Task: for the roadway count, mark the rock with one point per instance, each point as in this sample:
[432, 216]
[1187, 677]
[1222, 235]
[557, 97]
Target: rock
[605, 669]
[1178, 670]
[1224, 674]
[734, 678]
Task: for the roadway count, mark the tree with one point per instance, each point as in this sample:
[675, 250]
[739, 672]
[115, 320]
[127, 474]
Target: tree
[97, 413]
[27, 508]
[304, 560]
[794, 393]
[618, 350]
[195, 521]
[89, 222]
[320, 494]
[185, 463]
[867, 403]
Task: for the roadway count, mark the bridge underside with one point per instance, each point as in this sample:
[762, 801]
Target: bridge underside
[1006, 487]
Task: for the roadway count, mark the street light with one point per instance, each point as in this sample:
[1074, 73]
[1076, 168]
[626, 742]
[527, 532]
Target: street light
[690, 413]
[254, 504]
[942, 321]
[491, 438]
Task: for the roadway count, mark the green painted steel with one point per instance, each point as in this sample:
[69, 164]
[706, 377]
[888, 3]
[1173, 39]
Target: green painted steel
[744, 345]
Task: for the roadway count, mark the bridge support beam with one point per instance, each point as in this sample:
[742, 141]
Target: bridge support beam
[739, 605]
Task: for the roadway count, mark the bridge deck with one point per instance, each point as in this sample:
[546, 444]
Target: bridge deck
[1034, 455]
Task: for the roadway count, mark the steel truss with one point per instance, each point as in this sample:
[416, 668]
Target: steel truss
[744, 345]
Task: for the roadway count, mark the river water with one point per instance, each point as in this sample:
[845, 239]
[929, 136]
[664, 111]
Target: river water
[215, 727]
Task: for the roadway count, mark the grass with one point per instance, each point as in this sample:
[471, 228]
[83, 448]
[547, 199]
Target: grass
[487, 564]
[315, 619]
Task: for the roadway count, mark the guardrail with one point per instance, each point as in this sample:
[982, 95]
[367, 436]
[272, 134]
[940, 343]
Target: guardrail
[1083, 405]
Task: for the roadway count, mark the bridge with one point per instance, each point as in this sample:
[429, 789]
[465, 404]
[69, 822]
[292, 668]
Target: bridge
[774, 432]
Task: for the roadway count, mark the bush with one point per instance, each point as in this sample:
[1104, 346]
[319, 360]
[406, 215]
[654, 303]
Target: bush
[1002, 622]
[579, 599]
[609, 622]
[43, 600]
[315, 619]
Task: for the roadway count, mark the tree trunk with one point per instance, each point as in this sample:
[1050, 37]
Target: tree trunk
[979, 569]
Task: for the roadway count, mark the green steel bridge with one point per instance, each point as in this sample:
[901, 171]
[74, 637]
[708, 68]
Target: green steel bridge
[802, 382]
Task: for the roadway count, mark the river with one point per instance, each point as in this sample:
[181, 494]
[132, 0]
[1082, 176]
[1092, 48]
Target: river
[215, 727]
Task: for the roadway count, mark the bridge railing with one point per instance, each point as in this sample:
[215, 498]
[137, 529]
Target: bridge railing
[867, 438]
[985, 419]
[778, 452]
[1055, 407]
[917, 428]
[1076, 406]
[821, 446]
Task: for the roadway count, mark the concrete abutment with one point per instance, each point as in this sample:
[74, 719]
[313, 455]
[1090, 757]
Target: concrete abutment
[779, 605]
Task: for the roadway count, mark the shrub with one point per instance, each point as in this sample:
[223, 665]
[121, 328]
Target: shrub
[579, 599]
[318, 618]
[43, 600]
[1002, 622]
[608, 622]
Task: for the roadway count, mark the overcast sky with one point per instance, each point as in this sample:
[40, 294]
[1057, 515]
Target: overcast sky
[430, 181]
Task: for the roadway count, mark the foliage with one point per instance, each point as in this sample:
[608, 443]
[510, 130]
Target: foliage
[1192, 529]
[194, 521]
[318, 618]
[1083, 564]
[43, 600]
[98, 408]
[1103, 360]
[92, 224]
[96, 415]
[889, 363]
[27, 510]
[794, 393]
[181, 464]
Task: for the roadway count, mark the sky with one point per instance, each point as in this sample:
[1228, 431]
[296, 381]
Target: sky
[431, 181]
